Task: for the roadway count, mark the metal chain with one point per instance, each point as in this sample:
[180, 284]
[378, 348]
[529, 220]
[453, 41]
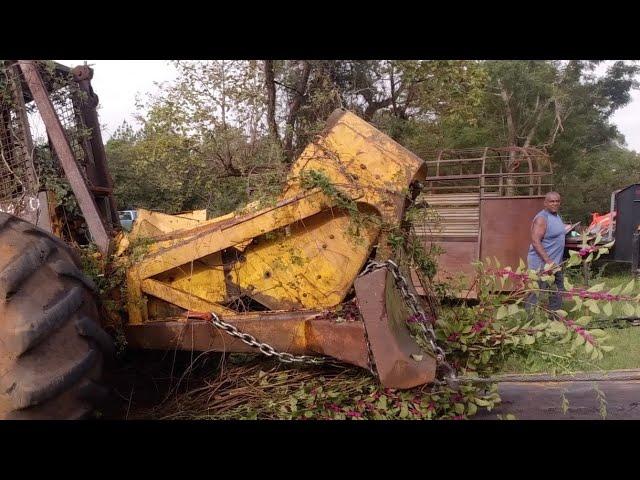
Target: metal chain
[411, 300]
[408, 297]
[265, 348]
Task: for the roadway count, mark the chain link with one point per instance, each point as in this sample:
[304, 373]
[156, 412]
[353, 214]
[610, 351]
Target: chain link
[408, 296]
[265, 348]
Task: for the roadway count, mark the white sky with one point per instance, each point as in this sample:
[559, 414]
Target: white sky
[117, 82]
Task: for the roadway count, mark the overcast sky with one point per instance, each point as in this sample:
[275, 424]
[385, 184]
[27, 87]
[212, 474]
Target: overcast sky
[117, 82]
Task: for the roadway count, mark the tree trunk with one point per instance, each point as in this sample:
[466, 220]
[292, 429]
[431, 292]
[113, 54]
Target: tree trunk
[511, 140]
[294, 108]
[271, 100]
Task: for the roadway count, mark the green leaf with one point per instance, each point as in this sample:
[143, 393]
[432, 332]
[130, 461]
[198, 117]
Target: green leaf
[588, 347]
[577, 342]
[607, 309]
[557, 327]
[528, 340]
[595, 354]
[606, 348]
[616, 290]
[628, 309]
[512, 309]
[629, 287]
[593, 306]
[459, 408]
[501, 313]
[567, 284]
[578, 304]
[486, 356]
[566, 338]
[472, 408]
[583, 320]
[596, 332]
[597, 288]
[573, 261]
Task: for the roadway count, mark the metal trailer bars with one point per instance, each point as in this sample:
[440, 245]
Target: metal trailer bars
[504, 171]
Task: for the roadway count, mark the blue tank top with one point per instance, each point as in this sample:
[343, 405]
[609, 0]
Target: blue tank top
[552, 242]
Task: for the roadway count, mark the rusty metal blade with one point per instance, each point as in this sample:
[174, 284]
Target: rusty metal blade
[400, 362]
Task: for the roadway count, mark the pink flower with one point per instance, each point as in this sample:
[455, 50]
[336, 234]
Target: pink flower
[478, 326]
[453, 337]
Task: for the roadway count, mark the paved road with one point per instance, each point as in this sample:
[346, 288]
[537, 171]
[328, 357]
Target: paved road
[542, 400]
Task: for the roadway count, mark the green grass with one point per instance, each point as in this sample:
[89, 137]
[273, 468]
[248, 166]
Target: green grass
[553, 358]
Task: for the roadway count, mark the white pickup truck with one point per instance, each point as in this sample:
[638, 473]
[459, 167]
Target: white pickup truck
[127, 217]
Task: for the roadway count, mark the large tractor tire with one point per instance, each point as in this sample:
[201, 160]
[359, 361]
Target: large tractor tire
[51, 344]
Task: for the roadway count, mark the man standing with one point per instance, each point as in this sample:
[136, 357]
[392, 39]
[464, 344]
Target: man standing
[547, 247]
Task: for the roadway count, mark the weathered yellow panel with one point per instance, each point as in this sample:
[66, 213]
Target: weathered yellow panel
[203, 278]
[363, 161]
[185, 300]
[151, 224]
[312, 266]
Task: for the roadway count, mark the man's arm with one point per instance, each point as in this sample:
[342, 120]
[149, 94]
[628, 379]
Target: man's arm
[537, 234]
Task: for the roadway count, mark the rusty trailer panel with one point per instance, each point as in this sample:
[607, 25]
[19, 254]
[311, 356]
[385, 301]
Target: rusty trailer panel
[457, 260]
[483, 202]
[506, 228]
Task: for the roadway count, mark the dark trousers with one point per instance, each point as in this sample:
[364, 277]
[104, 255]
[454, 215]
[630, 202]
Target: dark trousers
[555, 297]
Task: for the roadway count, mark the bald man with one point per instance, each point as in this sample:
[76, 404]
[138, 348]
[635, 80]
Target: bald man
[547, 247]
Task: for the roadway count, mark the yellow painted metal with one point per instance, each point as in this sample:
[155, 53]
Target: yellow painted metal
[150, 224]
[203, 278]
[302, 253]
[183, 299]
[311, 266]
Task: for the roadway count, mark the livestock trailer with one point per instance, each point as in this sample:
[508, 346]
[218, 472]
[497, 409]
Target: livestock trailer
[483, 201]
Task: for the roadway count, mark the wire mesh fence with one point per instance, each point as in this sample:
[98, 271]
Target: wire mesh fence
[28, 165]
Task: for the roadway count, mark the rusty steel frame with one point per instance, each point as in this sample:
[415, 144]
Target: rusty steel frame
[497, 156]
[101, 181]
[298, 333]
[67, 159]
